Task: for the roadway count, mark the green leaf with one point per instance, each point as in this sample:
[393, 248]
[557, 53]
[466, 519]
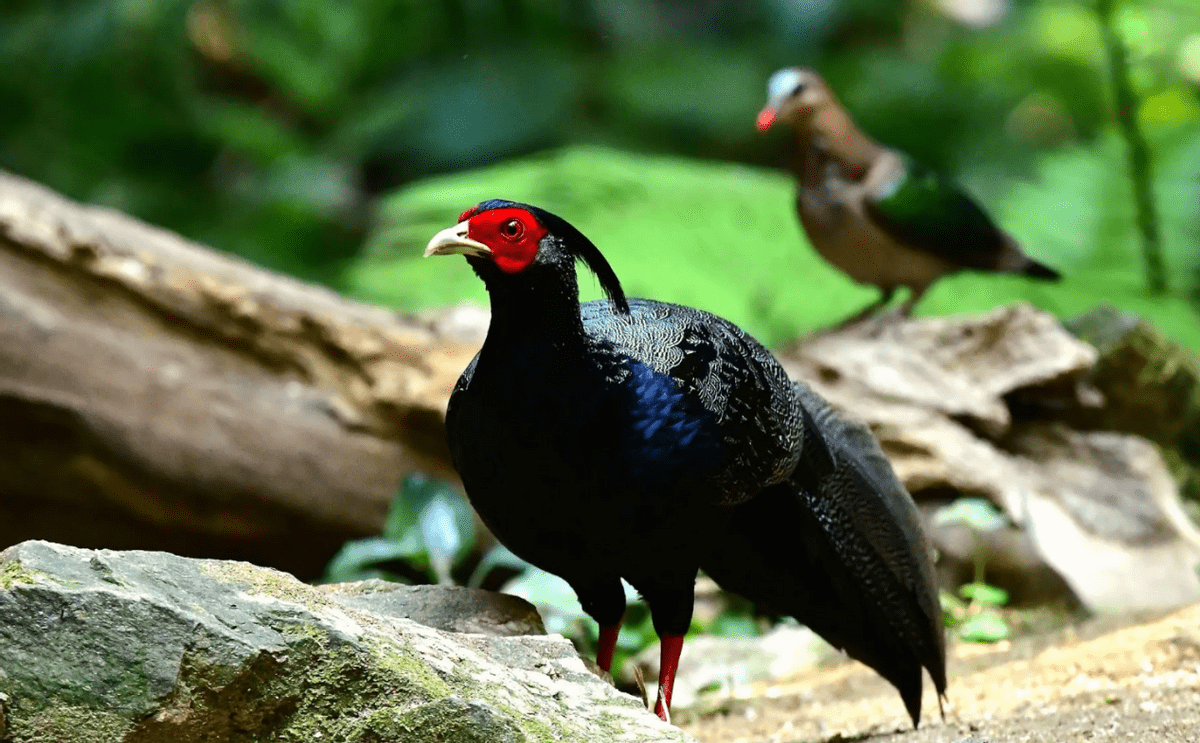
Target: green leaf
[986, 626]
[729, 624]
[982, 593]
[637, 633]
[433, 522]
[624, 201]
[497, 557]
[553, 597]
[250, 130]
[354, 560]
[954, 609]
[402, 514]
[447, 529]
[978, 513]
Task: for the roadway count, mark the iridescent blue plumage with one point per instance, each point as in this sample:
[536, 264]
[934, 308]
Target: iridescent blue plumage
[669, 436]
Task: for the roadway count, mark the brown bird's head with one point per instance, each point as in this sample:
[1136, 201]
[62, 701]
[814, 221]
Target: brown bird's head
[794, 95]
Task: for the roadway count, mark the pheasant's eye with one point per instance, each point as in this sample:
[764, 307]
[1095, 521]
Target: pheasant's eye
[799, 89]
[512, 229]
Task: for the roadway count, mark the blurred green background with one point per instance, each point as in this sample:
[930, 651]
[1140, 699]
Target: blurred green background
[330, 138]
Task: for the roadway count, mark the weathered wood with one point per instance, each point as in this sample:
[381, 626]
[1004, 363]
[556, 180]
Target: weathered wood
[157, 394]
[981, 405]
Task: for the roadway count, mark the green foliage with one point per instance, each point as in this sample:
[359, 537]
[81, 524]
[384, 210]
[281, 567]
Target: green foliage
[429, 536]
[148, 108]
[719, 237]
[1126, 109]
[430, 528]
[561, 613]
[268, 129]
[1077, 214]
[978, 513]
[725, 237]
[985, 626]
[981, 515]
[974, 614]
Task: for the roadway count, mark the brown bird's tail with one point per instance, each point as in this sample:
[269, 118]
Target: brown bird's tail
[1013, 260]
[1036, 270]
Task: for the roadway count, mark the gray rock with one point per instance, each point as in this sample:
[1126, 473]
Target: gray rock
[97, 645]
[1151, 384]
[449, 608]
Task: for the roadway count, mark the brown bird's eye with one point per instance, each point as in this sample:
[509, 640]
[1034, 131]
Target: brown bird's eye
[799, 89]
[512, 229]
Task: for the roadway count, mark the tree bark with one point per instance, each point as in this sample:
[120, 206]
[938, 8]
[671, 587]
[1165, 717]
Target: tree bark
[156, 394]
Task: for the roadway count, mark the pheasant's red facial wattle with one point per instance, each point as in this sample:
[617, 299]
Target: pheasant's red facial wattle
[512, 234]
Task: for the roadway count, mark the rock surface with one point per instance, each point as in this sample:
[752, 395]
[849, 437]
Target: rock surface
[449, 608]
[1150, 384]
[99, 646]
[972, 405]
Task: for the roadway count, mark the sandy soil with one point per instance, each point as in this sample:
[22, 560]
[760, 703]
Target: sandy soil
[1106, 680]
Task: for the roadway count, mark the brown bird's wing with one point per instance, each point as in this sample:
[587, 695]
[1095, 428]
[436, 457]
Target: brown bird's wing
[920, 208]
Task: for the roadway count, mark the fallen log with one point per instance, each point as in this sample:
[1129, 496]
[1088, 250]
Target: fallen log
[157, 394]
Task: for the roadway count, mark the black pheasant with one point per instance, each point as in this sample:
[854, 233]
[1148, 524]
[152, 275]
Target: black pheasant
[643, 440]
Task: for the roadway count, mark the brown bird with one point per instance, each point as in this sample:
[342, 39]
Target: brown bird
[877, 214]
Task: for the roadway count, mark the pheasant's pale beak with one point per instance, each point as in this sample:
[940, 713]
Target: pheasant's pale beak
[766, 118]
[454, 241]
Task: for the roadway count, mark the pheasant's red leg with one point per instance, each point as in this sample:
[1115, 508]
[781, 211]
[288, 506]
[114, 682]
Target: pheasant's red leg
[606, 645]
[671, 647]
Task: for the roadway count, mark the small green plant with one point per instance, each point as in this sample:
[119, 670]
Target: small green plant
[561, 613]
[430, 536]
[430, 529]
[974, 612]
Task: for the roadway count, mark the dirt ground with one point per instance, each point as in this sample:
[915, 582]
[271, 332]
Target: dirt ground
[1105, 680]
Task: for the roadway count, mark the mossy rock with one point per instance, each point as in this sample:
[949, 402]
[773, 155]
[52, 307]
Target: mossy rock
[147, 647]
[1151, 386]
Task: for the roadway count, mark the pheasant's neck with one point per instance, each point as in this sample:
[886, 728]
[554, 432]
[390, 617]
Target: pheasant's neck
[538, 312]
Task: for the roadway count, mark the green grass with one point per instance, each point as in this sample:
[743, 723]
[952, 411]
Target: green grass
[725, 238]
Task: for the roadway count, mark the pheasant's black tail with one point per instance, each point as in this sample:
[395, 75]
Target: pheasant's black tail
[840, 548]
